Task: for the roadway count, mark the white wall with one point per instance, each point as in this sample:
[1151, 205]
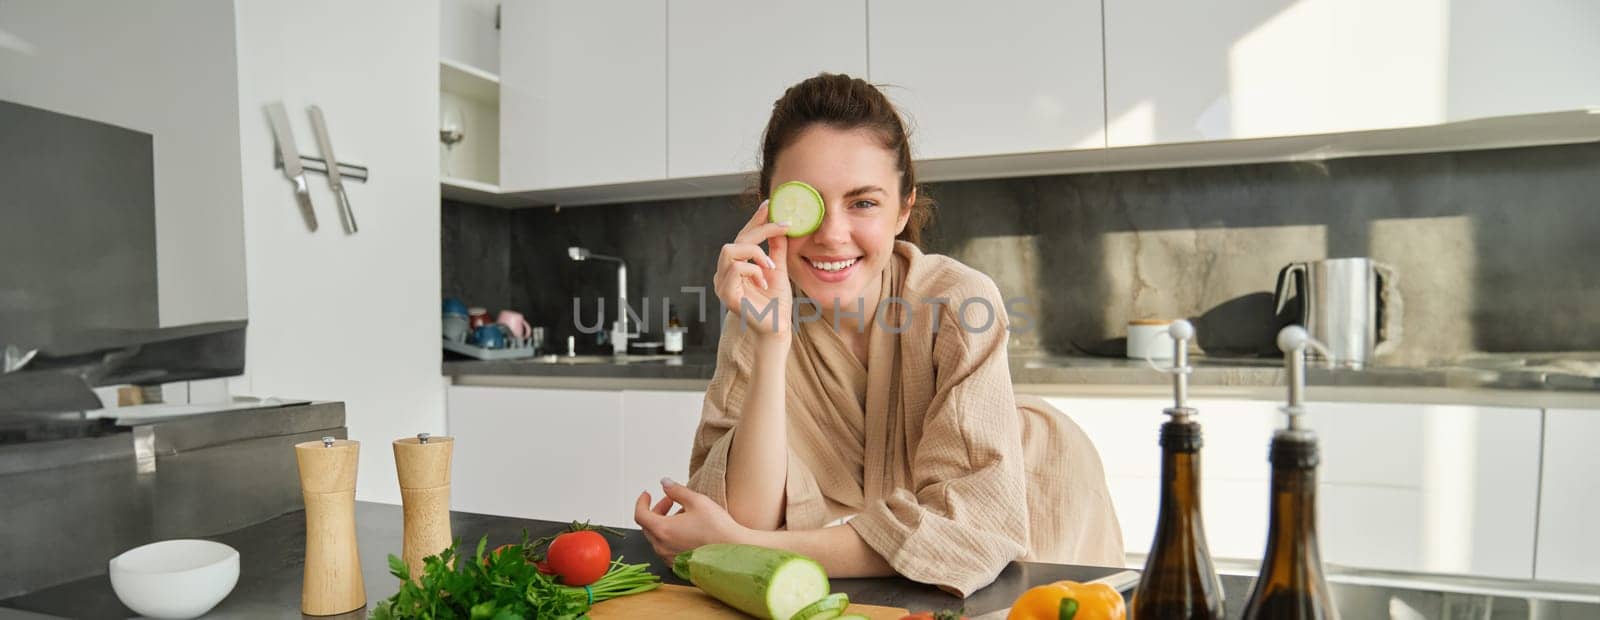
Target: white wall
[335, 316]
[166, 68]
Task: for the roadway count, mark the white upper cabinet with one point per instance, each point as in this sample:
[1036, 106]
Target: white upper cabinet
[1185, 71]
[1404, 64]
[582, 93]
[729, 60]
[1522, 57]
[614, 101]
[1188, 71]
[987, 78]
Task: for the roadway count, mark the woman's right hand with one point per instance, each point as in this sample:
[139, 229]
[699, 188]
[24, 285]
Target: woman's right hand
[748, 276]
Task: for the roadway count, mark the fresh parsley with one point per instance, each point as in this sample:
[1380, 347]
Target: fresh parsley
[505, 587]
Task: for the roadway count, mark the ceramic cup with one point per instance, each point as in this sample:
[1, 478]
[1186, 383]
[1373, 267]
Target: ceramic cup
[478, 317]
[515, 324]
[455, 327]
[454, 306]
[1149, 338]
[488, 337]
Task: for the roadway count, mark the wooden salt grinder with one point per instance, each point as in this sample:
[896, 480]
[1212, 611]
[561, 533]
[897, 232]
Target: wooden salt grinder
[423, 464]
[332, 582]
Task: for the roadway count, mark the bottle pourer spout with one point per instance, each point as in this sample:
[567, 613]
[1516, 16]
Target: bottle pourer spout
[1293, 341]
[1181, 331]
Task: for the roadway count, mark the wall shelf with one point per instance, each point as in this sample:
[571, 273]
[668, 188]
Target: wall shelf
[469, 81]
[469, 171]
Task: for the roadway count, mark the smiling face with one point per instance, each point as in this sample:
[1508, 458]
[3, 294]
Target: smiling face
[860, 186]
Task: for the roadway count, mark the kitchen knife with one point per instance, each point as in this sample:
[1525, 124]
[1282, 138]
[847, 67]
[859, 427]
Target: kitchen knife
[284, 136]
[1120, 582]
[335, 180]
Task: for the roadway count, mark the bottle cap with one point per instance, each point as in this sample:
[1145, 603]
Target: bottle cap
[1293, 449]
[1180, 434]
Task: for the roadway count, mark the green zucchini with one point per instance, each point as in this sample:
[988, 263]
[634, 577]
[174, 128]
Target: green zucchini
[826, 608]
[852, 617]
[798, 204]
[765, 583]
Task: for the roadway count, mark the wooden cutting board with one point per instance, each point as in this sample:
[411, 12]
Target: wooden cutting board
[673, 601]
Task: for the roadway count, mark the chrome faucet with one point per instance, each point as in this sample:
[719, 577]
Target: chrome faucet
[619, 333]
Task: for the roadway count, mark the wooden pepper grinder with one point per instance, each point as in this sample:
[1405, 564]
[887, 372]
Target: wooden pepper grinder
[333, 583]
[423, 463]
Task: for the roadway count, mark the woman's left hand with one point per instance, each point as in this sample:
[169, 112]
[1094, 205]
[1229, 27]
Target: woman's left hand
[701, 521]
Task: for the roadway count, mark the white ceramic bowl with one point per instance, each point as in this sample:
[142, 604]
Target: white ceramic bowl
[175, 578]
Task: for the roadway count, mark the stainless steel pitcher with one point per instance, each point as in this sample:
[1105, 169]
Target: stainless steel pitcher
[1352, 305]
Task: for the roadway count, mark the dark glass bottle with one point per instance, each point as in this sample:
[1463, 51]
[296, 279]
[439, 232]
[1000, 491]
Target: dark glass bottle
[1291, 585]
[1179, 579]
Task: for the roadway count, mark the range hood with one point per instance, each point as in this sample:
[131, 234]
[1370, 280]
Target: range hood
[60, 376]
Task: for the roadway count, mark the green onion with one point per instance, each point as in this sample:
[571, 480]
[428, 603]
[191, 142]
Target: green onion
[620, 580]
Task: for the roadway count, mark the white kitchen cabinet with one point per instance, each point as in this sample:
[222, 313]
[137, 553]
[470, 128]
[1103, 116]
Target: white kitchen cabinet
[567, 454]
[1184, 71]
[1233, 466]
[1521, 57]
[1429, 488]
[729, 60]
[1403, 64]
[987, 78]
[1569, 498]
[1443, 489]
[582, 93]
[1190, 71]
[538, 453]
[657, 437]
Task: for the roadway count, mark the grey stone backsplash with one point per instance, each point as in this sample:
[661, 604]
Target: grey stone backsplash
[1496, 250]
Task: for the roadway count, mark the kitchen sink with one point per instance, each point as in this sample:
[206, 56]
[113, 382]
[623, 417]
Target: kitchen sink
[602, 359]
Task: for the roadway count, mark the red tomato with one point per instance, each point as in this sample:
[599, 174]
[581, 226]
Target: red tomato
[580, 558]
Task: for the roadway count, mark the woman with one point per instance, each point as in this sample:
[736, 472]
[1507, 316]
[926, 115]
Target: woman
[877, 432]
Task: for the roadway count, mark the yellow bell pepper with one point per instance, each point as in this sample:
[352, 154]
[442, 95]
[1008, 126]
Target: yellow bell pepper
[1069, 600]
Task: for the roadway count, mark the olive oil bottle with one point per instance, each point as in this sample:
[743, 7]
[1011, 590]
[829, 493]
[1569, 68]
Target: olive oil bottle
[1291, 585]
[1179, 580]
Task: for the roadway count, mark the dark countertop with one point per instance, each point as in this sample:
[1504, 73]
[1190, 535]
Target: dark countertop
[272, 555]
[687, 366]
[1534, 380]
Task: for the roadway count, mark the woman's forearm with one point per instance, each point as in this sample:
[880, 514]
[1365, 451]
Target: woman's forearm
[839, 548]
[758, 461]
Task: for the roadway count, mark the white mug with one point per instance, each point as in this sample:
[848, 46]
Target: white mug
[1148, 338]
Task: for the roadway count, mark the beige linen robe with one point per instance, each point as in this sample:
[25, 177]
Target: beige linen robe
[947, 473]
